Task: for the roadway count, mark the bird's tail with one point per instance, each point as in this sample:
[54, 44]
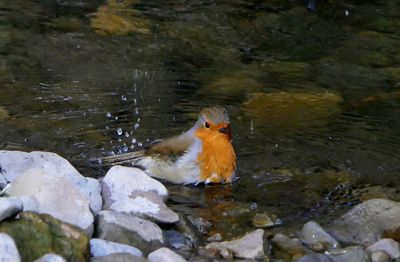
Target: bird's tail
[126, 158]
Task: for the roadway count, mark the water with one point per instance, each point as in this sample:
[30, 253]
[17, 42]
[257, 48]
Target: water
[313, 98]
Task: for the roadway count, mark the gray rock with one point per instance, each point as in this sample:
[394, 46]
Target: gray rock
[55, 196]
[51, 257]
[8, 249]
[287, 248]
[119, 257]
[315, 258]
[121, 182]
[388, 245]
[100, 247]
[127, 229]
[202, 225]
[165, 255]
[367, 222]
[352, 253]
[176, 240]
[380, 256]
[147, 205]
[14, 163]
[9, 207]
[313, 235]
[250, 246]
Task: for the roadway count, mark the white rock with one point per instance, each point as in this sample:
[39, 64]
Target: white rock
[55, 196]
[100, 247]
[388, 245]
[9, 206]
[51, 257]
[14, 163]
[251, 246]
[312, 234]
[146, 205]
[165, 255]
[8, 249]
[380, 256]
[121, 182]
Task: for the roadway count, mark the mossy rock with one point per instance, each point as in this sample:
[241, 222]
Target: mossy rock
[38, 234]
[293, 110]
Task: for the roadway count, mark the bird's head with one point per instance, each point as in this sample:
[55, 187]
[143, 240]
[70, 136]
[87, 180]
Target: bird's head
[213, 122]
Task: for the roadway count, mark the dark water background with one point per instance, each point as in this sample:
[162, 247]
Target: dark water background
[314, 97]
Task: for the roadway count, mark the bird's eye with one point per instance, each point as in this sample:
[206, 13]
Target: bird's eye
[207, 125]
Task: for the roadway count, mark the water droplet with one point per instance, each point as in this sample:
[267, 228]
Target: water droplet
[119, 131]
[126, 134]
[140, 144]
[134, 141]
[116, 118]
[125, 148]
[123, 98]
[136, 126]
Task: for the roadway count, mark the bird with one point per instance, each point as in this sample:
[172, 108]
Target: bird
[202, 154]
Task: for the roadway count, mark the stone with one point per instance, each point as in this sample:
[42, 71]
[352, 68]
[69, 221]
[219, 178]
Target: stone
[315, 258]
[119, 257]
[262, 220]
[55, 196]
[9, 207]
[165, 255]
[146, 205]
[175, 239]
[121, 182]
[287, 248]
[8, 249]
[14, 163]
[367, 222]
[51, 257]
[352, 253]
[130, 230]
[38, 234]
[312, 234]
[250, 246]
[388, 245]
[100, 247]
[380, 256]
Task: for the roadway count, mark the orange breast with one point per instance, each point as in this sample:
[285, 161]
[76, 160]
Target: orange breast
[217, 160]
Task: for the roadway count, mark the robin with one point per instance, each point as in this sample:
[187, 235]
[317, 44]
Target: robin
[204, 153]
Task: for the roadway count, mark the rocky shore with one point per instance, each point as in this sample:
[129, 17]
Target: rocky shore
[50, 212]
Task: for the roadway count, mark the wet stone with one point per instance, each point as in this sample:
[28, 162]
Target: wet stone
[262, 220]
[315, 237]
[367, 222]
[164, 255]
[100, 247]
[8, 249]
[147, 205]
[9, 207]
[287, 248]
[202, 225]
[250, 246]
[352, 253]
[176, 240]
[390, 246]
[130, 230]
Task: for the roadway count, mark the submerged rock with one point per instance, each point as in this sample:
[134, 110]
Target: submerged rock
[314, 236]
[9, 207]
[54, 195]
[391, 247]
[250, 246]
[352, 253]
[15, 163]
[165, 255]
[51, 257]
[367, 222]
[8, 249]
[287, 248]
[262, 220]
[36, 235]
[121, 182]
[146, 205]
[100, 247]
[127, 229]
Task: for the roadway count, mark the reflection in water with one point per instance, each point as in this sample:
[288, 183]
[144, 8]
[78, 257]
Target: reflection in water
[313, 97]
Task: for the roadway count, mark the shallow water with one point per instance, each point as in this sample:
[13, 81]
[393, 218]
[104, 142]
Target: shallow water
[313, 97]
